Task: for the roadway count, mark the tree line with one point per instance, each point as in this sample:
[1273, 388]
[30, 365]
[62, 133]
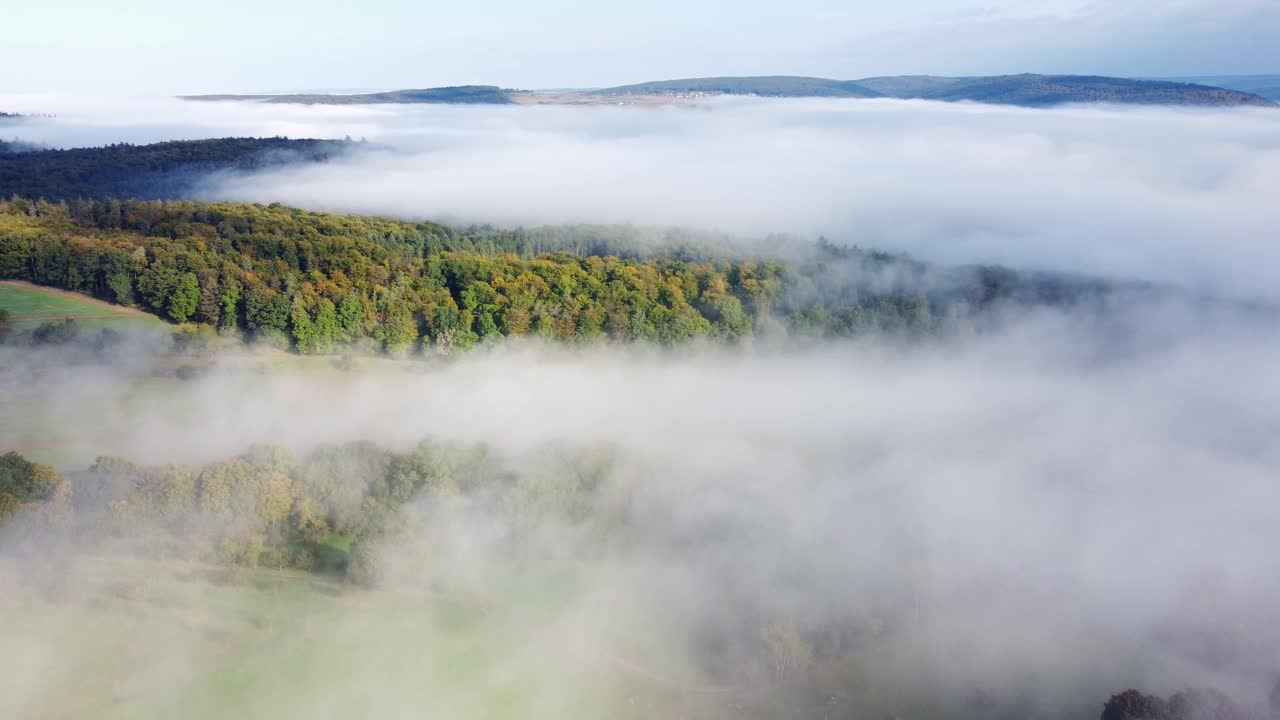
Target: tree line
[164, 170]
[269, 507]
[317, 281]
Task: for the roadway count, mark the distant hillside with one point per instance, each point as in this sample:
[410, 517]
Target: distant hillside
[1268, 86]
[770, 86]
[162, 171]
[461, 94]
[1042, 90]
[1026, 90]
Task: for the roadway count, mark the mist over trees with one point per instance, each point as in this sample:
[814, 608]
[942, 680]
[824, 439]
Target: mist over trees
[269, 506]
[23, 483]
[691, 474]
[162, 171]
[316, 281]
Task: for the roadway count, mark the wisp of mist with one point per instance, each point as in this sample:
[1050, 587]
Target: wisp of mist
[1167, 194]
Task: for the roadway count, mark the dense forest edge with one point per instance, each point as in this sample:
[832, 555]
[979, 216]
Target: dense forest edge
[159, 171]
[316, 282]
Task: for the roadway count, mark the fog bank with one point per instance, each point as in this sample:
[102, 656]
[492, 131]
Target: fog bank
[1169, 194]
[1021, 520]
[1046, 499]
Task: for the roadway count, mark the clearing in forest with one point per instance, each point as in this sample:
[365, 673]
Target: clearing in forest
[30, 305]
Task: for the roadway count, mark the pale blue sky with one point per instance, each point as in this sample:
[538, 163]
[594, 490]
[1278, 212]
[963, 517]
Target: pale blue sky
[167, 46]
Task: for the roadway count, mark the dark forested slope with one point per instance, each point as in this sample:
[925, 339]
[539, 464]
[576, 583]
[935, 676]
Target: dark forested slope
[161, 171]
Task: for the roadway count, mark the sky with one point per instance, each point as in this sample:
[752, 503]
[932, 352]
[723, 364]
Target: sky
[161, 47]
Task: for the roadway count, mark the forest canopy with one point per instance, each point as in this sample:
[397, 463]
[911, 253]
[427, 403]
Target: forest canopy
[315, 281]
[161, 171]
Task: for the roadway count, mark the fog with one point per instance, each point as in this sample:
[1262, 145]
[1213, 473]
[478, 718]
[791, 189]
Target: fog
[1008, 523]
[1171, 195]
[1041, 515]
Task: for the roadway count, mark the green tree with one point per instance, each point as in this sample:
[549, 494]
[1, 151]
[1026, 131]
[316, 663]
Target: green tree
[121, 286]
[172, 491]
[325, 327]
[400, 330]
[184, 298]
[272, 321]
[230, 302]
[156, 283]
[25, 480]
[301, 327]
[350, 318]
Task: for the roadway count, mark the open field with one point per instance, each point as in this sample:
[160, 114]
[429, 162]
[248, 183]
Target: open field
[30, 305]
[159, 638]
[141, 637]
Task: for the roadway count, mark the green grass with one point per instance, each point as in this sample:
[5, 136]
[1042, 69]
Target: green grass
[142, 639]
[29, 307]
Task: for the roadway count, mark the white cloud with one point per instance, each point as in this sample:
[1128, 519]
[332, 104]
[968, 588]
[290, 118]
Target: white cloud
[1169, 195]
[1068, 515]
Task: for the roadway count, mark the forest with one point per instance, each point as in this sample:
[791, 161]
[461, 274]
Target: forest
[161, 171]
[316, 281]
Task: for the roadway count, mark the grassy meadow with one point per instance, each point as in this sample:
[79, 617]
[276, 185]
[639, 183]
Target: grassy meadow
[30, 305]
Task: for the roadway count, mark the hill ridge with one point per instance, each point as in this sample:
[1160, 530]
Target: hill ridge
[1022, 89]
[451, 94]
[1026, 89]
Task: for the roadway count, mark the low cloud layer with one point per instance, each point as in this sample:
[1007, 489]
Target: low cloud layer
[1169, 195]
[1059, 513]
[1046, 512]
